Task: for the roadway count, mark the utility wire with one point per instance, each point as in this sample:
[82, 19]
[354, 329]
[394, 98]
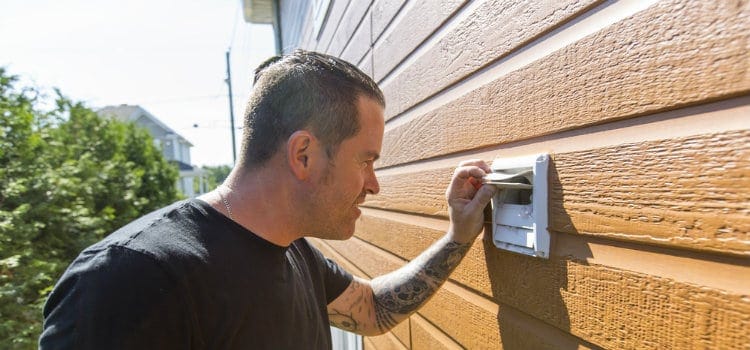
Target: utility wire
[237, 14]
[185, 99]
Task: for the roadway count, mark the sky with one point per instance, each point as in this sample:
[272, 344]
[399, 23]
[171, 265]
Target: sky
[167, 56]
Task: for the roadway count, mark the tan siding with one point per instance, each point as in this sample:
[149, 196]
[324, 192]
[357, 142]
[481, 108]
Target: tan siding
[468, 318]
[421, 192]
[388, 231]
[517, 331]
[360, 42]
[383, 342]
[390, 235]
[383, 11]
[418, 20]
[335, 14]
[352, 19]
[308, 41]
[709, 118]
[401, 332]
[425, 336]
[366, 64]
[470, 323]
[604, 77]
[642, 107]
[687, 192]
[608, 307]
[488, 31]
[618, 309]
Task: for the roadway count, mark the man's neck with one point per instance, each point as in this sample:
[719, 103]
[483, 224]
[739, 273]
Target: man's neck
[261, 201]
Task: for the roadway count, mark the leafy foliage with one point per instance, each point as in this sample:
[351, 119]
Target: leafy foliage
[67, 178]
[216, 175]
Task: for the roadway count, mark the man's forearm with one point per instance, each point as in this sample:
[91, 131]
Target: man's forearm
[400, 293]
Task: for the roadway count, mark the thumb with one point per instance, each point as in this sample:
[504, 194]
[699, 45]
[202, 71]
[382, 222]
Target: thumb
[482, 197]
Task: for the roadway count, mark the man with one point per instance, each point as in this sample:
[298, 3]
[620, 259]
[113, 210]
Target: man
[232, 269]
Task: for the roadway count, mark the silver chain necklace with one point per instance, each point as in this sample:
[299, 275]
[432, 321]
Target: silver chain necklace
[226, 202]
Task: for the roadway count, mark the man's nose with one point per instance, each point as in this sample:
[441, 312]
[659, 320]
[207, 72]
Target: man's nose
[371, 184]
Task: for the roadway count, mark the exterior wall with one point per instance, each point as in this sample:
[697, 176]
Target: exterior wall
[184, 152]
[185, 185]
[293, 13]
[645, 107]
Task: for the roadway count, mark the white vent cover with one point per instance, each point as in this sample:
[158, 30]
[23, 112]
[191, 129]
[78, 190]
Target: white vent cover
[519, 208]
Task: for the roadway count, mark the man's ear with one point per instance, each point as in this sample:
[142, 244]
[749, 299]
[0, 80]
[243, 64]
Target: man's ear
[301, 148]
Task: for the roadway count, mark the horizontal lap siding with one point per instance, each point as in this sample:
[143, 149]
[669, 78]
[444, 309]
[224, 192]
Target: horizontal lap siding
[386, 342]
[335, 14]
[383, 12]
[490, 30]
[468, 319]
[619, 309]
[359, 43]
[366, 64]
[353, 18]
[441, 66]
[673, 54]
[391, 235]
[607, 306]
[418, 20]
[689, 192]
[426, 336]
[400, 333]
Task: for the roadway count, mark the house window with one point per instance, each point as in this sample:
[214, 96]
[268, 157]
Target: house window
[343, 340]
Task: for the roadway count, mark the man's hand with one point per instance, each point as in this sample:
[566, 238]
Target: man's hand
[374, 307]
[466, 203]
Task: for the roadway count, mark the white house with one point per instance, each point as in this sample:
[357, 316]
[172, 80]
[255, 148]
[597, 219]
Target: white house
[175, 148]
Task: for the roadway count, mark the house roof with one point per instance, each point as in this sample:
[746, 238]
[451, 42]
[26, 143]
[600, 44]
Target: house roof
[183, 166]
[131, 113]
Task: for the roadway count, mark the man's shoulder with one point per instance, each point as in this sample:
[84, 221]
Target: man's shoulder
[174, 229]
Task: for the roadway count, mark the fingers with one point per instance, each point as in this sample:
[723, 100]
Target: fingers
[476, 162]
[482, 198]
[467, 171]
[476, 183]
[461, 177]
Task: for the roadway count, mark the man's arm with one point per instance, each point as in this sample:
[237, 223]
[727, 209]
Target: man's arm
[374, 307]
[116, 298]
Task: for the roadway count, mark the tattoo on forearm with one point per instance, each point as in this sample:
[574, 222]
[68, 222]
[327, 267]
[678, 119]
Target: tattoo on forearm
[405, 290]
[343, 321]
[384, 318]
[346, 319]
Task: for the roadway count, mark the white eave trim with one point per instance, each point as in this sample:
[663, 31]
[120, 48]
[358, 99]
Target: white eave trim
[258, 11]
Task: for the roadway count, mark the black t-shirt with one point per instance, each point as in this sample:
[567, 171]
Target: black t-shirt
[187, 277]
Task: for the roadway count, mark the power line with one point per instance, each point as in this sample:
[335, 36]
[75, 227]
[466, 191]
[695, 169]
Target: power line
[234, 26]
[184, 98]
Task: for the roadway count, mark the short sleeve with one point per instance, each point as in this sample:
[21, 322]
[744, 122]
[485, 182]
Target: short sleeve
[335, 278]
[115, 298]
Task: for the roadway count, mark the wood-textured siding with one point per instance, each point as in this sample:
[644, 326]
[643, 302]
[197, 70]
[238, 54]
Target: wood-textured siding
[645, 108]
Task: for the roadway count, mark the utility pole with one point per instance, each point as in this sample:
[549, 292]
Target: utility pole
[231, 110]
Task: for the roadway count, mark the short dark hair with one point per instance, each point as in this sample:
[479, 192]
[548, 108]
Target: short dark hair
[303, 90]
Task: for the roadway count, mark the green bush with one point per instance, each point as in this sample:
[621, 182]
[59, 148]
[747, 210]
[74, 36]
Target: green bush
[67, 178]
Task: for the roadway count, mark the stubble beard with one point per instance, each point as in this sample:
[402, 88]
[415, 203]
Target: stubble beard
[328, 219]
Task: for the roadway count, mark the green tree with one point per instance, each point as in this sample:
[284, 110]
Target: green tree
[216, 175]
[67, 178]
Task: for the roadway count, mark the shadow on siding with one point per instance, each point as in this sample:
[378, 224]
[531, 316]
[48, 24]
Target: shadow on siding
[529, 291]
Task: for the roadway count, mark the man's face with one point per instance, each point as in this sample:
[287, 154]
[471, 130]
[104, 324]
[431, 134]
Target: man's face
[349, 176]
